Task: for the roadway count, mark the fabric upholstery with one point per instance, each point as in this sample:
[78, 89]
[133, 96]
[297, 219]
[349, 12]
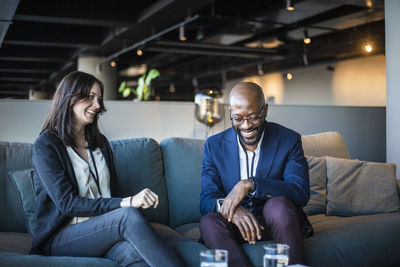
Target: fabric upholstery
[23, 180]
[139, 165]
[358, 187]
[182, 163]
[317, 202]
[325, 144]
[15, 242]
[13, 156]
[367, 240]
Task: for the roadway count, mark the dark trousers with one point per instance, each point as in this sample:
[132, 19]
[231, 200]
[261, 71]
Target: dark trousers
[281, 221]
[122, 235]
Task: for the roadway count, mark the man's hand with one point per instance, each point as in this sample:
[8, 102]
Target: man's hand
[234, 197]
[145, 199]
[248, 226]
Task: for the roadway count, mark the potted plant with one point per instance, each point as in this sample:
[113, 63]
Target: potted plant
[143, 89]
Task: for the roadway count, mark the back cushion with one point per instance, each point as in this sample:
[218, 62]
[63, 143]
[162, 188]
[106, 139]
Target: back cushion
[325, 144]
[13, 156]
[182, 164]
[317, 202]
[139, 165]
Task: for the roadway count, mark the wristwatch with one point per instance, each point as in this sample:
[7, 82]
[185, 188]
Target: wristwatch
[253, 185]
[219, 203]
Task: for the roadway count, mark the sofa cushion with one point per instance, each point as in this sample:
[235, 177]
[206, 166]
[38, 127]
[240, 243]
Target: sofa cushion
[23, 180]
[139, 165]
[317, 203]
[13, 156]
[15, 242]
[325, 144]
[182, 163]
[367, 240]
[358, 187]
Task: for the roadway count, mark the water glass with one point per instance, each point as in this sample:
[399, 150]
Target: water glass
[276, 255]
[214, 258]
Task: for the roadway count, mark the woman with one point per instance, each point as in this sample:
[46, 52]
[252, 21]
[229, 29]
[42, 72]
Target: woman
[77, 209]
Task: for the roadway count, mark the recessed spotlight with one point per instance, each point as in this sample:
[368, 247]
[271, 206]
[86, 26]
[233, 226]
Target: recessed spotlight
[139, 52]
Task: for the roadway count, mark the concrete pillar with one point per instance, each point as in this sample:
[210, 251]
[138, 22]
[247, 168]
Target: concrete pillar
[392, 26]
[108, 74]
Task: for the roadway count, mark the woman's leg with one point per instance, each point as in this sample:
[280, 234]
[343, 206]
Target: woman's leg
[95, 237]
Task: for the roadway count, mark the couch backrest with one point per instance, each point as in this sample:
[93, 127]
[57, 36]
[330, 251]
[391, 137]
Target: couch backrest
[325, 144]
[13, 156]
[139, 165]
[182, 166]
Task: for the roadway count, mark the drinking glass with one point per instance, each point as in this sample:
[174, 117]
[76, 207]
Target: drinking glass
[214, 258]
[276, 255]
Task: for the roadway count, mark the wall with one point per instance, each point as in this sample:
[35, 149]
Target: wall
[392, 24]
[354, 82]
[363, 128]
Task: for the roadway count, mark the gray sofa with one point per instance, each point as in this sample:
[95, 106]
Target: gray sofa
[346, 233]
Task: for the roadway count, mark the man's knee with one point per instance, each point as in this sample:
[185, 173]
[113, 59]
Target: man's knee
[211, 221]
[279, 208]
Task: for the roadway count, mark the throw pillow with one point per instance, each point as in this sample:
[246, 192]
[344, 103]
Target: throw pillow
[23, 180]
[358, 187]
[317, 203]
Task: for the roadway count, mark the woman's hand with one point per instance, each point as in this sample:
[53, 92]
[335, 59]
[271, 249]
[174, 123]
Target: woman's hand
[145, 199]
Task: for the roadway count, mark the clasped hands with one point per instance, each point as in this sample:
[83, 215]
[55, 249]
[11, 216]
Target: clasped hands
[247, 224]
[144, 199]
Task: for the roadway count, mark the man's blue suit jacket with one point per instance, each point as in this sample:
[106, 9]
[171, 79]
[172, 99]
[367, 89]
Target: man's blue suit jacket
[282, 168]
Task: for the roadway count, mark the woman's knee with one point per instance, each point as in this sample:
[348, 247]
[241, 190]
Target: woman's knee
[131, 215]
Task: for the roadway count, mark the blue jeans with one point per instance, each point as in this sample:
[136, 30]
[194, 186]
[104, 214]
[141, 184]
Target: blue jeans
[122, 235]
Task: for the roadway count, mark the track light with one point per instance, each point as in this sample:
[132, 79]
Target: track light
[289, 76]
[307, 38]
[98, 69]
[305, 59]
[172, 88]
[289, 5]
[260, 70]
[113, 64]
[182, 36]
[139, 52]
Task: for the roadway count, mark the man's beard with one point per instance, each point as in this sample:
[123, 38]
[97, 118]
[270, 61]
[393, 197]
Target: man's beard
[254, 140]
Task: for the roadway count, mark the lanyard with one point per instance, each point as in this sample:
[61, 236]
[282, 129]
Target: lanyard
[95, 177]
[249, 174]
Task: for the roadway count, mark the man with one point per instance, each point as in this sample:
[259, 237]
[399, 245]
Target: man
[259, 172]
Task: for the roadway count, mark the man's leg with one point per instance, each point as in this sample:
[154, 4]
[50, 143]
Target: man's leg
[218, 233]
[282, 219]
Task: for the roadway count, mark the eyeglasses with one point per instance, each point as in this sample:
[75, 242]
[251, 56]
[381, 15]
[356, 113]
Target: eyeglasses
[253, 119]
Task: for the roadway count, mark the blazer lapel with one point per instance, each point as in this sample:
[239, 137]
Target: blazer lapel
[269, 147]
[232, 168]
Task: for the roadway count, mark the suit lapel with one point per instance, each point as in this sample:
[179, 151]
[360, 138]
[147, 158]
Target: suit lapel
[232, 167]
[269, 147]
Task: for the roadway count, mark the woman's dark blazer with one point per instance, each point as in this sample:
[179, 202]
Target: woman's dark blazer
[56, 189]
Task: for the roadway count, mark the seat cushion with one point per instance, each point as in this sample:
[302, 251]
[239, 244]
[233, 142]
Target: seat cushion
[139, 165]
[325, 144]
[368, 240]
[358, 187]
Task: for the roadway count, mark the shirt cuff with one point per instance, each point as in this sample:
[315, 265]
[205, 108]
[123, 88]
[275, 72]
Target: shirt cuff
[126, 202]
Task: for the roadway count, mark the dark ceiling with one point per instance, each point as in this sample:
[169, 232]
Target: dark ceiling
[225, 39]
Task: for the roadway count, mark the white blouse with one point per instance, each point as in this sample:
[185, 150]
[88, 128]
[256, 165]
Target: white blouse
[86, 182]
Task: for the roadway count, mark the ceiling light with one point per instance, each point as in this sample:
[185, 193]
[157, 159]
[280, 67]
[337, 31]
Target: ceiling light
[113, 64]
[260, 70]
[305, 59]
[182, 36]
[139, 52]
[289, 76]
[98, 69]
[289, 5]
[368, 48]
[307, 38]
[172, 88]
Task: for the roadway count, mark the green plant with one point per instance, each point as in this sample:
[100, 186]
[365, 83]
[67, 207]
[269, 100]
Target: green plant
[143, 88]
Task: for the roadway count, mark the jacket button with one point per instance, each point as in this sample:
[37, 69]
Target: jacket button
[269, 196]
[250, 203]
